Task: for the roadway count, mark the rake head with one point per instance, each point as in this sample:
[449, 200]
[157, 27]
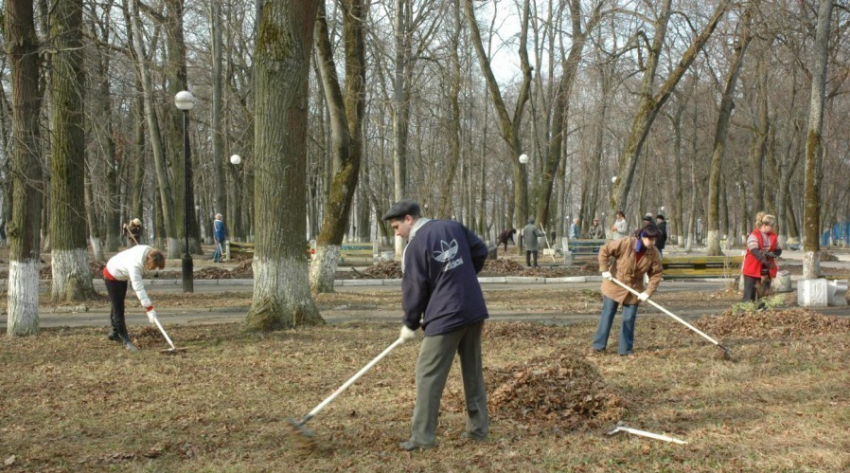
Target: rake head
[302, 438]
[724, 353]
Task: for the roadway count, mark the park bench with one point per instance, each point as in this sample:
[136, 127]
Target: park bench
[578, 248]
[683, 267]
[237, 248]
[360, 252]
[349, 252]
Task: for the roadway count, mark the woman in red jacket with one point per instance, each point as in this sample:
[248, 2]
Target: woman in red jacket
[762, 249]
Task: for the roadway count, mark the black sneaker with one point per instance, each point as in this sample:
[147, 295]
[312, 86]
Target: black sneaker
[113, 337]
[470, 436]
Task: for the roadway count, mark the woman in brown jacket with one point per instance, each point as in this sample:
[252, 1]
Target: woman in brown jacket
[635, 256]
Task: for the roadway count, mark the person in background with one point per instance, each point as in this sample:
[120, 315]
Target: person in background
[759, 262]
[440, 292]
[596, 231]
[132, 230]
[507, 234]
[635, 256]
[529, 236]
[619, 228]
[219, 235]
[661, 242]
[575, 229]
[646, 220]
[128, 265]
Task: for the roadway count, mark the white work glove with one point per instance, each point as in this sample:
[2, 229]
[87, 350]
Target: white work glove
[406, 334]
[643, 296]
[151, 316]
[607, 275]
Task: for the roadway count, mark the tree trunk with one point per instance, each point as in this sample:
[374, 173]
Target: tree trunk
[651, 102]
[139, 160]
[95, 229]
[401, 109]
[721, 134]
[167, 198]
[454, 124]
[346, 115]
[176, 81]
[281, 71]
[814, 148]
[759, 147]
[510, 127]
[24, 229]
[72, 279]
[218, 158]
[562, 107]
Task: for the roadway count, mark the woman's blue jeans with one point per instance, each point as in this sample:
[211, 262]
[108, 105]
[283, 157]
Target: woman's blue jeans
[627, 332]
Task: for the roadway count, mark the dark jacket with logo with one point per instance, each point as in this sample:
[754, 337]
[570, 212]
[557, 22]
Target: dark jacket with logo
[440, 283]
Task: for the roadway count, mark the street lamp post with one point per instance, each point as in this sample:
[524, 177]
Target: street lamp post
[185, 102]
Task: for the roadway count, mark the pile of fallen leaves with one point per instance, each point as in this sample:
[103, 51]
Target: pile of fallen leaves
[382, 270]
[558, 390]
[502, 266]
[244, 270]
[788, 323]
[212, 272]
[149, 338]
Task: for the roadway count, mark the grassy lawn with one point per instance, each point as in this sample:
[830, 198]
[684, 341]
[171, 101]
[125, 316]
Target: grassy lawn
[73, 401]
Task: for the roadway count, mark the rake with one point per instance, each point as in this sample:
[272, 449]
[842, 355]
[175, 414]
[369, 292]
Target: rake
[726, 354]
[303, 438]
[173, 349]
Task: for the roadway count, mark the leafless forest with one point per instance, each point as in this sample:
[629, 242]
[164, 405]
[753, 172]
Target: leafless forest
[705, 111]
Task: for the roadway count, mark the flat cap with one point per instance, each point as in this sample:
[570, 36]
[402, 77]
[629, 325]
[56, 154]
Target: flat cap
[402, 208]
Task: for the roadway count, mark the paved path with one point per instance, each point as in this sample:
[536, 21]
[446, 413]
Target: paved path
[69, 317]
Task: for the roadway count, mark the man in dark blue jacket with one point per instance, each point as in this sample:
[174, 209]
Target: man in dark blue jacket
[441, 294]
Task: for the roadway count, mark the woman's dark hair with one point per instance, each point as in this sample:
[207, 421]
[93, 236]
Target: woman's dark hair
[650, 230]
[620, 212]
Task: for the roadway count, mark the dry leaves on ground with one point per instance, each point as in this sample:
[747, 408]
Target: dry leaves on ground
[773, 323]
[559, 391]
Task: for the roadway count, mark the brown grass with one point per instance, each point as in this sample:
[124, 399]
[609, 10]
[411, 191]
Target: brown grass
[73, 401]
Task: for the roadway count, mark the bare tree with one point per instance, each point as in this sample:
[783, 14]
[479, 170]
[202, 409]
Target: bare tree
[24, 229]
[722, 131]
[70, 263]
[508, 125]
[651, 100]
[562, 103]
[167, 206]
[814, 144]
[281, 69]
[345, 111]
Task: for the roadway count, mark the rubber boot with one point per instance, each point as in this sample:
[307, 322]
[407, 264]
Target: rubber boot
[113, 336]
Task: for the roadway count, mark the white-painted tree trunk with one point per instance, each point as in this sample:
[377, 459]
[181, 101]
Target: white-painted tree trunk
[72, 278]
[713, 242]
[811, 265]
[97, 249]
[282, 296]
[174, 248]
[22, 305]
[323, 268]
[398, 246]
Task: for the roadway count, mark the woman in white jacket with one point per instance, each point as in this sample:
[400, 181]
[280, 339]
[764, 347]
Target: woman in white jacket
[128, 265]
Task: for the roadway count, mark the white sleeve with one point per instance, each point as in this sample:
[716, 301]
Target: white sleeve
[135, 273]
